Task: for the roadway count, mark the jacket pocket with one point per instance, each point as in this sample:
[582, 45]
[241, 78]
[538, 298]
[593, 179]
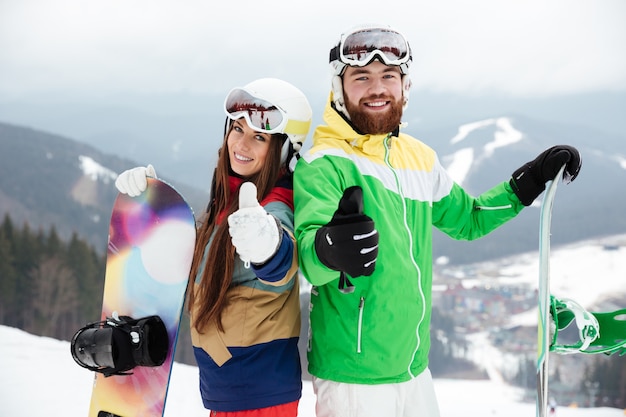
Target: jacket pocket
[212, 343]
[359, 329]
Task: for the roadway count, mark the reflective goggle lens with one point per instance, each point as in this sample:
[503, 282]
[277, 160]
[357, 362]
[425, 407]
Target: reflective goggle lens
[359, 48]
[260, 114]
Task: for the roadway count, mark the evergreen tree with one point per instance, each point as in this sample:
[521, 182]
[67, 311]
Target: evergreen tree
[7, 228]
[25, 255]
[8, 280]
[52, 244]
[88, 268]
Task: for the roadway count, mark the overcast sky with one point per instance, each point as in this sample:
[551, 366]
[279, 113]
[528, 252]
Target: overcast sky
[512, 47]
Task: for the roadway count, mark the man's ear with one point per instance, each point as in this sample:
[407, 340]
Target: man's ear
[406, 87]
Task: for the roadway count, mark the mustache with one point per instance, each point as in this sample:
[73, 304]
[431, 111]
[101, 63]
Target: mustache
[376, 97]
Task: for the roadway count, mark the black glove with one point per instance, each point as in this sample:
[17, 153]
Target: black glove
[530, 179]
[349, 242]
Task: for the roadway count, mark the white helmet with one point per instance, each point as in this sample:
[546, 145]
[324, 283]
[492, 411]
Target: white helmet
[270, 105]
[361, 45]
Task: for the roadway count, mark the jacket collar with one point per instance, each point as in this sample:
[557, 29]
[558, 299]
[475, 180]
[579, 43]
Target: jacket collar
[337, 127]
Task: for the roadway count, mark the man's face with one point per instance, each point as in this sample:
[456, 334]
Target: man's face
[373, 97]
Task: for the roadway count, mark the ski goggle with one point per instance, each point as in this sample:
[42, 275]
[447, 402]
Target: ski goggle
[260, 114]
[360, 47]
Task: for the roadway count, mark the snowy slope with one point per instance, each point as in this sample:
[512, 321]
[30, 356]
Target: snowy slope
[40, 378]
[464, 158]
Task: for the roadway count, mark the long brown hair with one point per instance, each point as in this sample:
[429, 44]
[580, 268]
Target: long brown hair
[210, 295]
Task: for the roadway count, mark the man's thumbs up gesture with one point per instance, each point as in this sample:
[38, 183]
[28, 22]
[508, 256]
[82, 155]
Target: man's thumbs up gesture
[255, 233]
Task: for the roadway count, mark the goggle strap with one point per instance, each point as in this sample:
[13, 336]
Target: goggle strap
[297, 127]
[334, 54]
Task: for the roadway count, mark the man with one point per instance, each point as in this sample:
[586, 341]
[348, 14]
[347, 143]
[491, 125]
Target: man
[366, 198]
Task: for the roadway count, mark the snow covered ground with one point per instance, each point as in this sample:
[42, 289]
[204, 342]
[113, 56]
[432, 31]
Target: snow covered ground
[39, 377]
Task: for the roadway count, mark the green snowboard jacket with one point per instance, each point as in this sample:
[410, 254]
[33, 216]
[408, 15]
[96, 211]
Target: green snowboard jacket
[380, 332]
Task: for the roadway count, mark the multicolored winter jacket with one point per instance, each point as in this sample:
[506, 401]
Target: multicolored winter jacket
[380, 332]
[255, 362]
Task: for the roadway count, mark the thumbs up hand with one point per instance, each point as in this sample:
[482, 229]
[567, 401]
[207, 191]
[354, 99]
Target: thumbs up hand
[349, 242]
[256, 234]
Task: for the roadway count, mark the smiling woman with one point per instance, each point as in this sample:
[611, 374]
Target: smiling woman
[243, 292]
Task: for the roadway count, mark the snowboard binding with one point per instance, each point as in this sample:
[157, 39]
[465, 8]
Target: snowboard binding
[597, 332]
[118, 344]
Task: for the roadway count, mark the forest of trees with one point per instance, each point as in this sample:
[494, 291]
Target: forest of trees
[605, 381]
[48, 287]
[602, 379]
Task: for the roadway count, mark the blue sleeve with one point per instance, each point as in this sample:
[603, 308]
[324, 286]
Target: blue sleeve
[278, 265]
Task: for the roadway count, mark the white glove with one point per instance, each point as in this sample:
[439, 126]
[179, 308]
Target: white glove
[255, 233]
[134, 181]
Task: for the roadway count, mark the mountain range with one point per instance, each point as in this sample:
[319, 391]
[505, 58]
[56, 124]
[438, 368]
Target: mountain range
[51, 181]
[180, 132]
[48, 179]
[484, 152]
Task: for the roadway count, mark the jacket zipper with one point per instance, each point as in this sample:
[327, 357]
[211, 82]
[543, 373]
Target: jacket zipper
[387, 143]
[508, 206]
[360, 325]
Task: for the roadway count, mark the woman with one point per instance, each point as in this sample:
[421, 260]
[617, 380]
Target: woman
[243, 294]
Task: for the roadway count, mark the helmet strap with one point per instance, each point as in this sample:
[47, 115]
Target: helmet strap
[227, 124]
[406, 88]
[338, 98]
[287, 154]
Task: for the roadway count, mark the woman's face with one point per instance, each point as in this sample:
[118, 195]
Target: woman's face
[247, 148]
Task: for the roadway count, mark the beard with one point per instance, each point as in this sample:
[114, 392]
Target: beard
[370, 123]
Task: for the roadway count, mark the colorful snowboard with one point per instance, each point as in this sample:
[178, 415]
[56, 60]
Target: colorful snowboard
[151, 243]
